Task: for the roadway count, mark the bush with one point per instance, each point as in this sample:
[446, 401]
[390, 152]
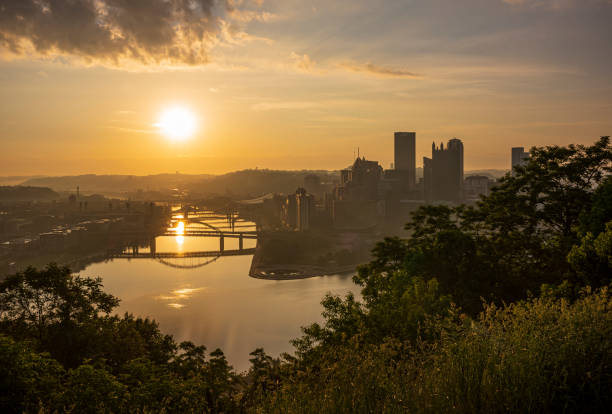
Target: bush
[538, 356]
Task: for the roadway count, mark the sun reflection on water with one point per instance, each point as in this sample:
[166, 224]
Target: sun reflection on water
[176, 296]
[180, 228]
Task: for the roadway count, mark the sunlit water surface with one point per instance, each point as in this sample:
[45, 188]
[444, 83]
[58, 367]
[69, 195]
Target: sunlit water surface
[218, 305]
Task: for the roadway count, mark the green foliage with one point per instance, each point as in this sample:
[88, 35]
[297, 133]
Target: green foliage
[537, 356]
[594, 220]
[592, 258]
[38, 299]
[92, 390]
[27, 379]
[263, 379]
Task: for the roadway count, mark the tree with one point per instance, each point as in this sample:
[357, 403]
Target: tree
[263, 379]
[27, 379]
[220, 384]
[592, 258]
[32, 301]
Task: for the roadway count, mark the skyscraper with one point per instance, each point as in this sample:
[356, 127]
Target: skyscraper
[519, 157]
[443, 172]
[405, 158]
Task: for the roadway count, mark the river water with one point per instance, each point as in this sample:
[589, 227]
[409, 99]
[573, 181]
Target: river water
[217, 304]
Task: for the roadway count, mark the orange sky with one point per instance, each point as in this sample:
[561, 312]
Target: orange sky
[299, 85]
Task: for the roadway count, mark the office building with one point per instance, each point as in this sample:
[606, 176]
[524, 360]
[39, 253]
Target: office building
[476, 186]
[519, 157]
[289, 212]
[305, 209]
[360, 182]
[356, 200]
[443, 172]
[405, 159]
[297, 210]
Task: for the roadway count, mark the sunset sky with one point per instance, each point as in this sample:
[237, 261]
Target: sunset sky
[295, 84]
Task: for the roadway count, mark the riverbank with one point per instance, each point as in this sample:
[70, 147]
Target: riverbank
[76, 261]
[295, 255]
[295, 271]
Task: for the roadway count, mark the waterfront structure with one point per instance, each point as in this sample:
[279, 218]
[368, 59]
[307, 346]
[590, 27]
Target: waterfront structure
[443, 172]
[359, 182]
[356, 199]
[305, 209]
[298, 210]
[519, 157]
[405, 159]
[475, 186]
[289, 212]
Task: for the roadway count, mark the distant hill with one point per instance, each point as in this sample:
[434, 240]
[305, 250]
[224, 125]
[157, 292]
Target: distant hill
[21, 193]
[253, 183]
[239, 183]
[244, 183]
[16, 179]
[491, 173]
[116, 184]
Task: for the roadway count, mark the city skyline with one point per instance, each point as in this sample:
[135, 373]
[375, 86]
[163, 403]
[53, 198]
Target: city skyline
[288, 85]
[400, 150]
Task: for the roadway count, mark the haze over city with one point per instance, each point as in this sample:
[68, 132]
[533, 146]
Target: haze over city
[293, 84]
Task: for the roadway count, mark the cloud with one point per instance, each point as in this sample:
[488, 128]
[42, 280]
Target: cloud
[379, 71]
[246, 16]
[267, 106]
[233, 35]
[554, 4]
[147, 32]
[132, 130]
[302, 62]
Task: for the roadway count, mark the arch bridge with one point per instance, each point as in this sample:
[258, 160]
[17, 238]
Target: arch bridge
[195, 259]
[182, 260]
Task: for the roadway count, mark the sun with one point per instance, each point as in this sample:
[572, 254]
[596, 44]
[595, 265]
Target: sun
[177, 123]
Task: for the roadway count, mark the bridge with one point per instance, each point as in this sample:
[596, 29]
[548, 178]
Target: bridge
[193, 259]
[135, 254]
[212, 233]
[183, 260]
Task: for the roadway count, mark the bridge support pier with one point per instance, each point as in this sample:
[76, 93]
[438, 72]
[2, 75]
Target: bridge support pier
[153, 247]
[221, 243]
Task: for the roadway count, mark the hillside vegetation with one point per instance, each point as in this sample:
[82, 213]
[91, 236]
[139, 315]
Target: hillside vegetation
[23, 193]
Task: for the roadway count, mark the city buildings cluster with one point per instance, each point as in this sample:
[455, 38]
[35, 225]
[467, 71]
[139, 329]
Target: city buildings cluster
[368, 196]
[73, 226]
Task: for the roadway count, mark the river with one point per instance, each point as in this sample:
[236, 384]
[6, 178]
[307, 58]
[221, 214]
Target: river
[217, 304]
